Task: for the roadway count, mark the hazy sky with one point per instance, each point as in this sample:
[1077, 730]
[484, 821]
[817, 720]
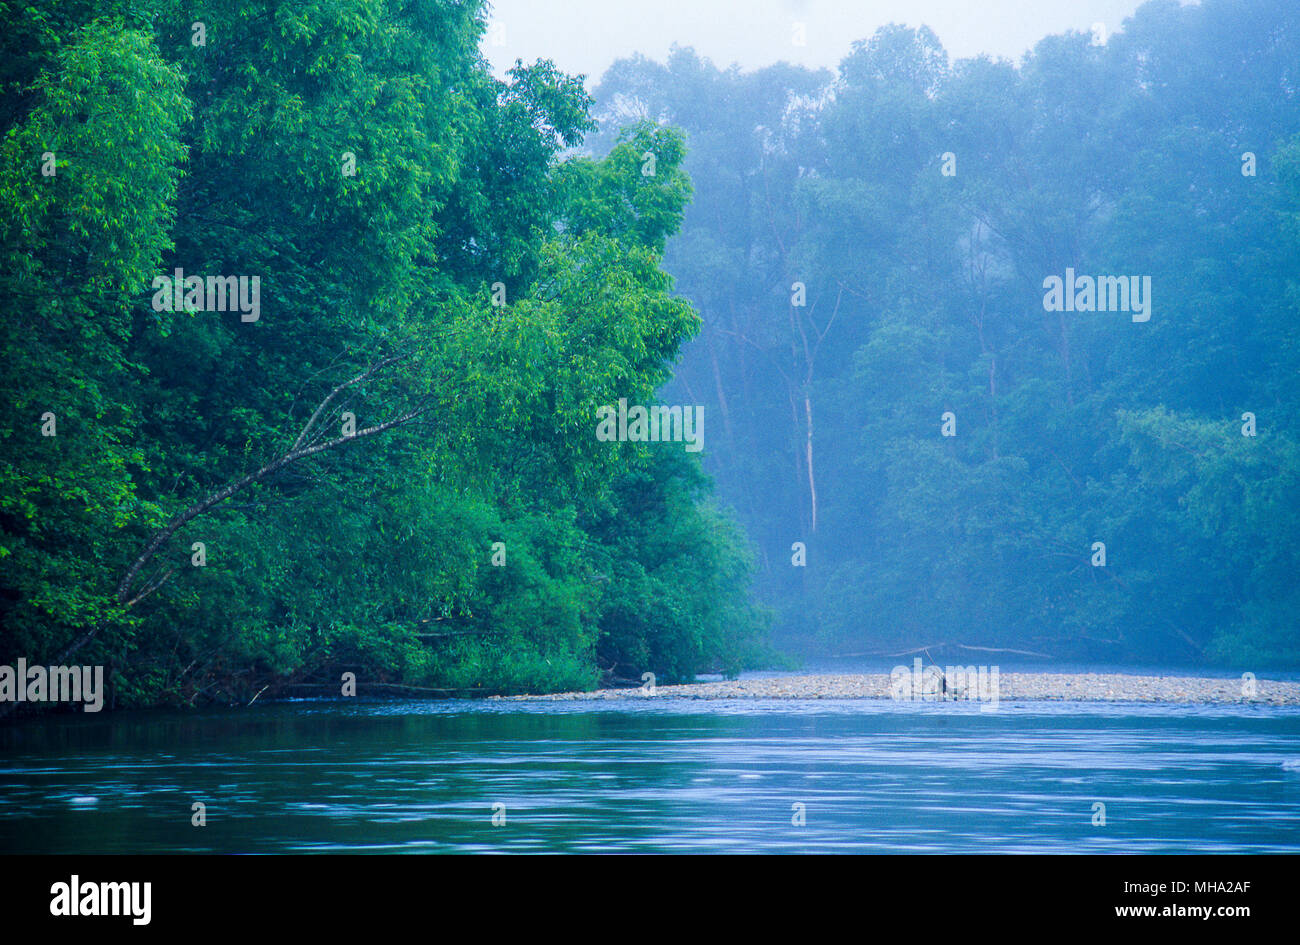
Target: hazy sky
[587, 35]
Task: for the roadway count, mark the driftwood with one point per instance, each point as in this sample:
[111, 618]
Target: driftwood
[397, 686]
[937, 646]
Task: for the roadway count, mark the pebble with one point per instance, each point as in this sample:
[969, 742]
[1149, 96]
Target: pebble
[1072, 687]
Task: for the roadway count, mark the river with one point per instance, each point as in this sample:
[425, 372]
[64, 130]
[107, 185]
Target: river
[657, 775]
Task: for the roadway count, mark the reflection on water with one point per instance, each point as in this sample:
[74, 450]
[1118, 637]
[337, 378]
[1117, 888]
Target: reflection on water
[657, 775]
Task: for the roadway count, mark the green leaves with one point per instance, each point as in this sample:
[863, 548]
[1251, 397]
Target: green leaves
[637, 194]
[357, 157]
[867, 254]
[80, 242]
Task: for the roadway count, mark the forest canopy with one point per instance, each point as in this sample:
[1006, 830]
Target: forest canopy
[365, 441]
[311, 319]
[962, 460]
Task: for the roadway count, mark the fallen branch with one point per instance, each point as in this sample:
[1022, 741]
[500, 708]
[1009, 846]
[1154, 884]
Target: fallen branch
[939, 646]
[360, 685]
[300, 450]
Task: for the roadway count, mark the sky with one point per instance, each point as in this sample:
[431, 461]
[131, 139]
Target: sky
[586, 36]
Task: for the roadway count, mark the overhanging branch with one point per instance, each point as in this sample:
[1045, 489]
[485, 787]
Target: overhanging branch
[300, 450]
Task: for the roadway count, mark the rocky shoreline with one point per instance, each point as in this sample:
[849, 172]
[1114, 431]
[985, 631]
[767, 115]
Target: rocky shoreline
[1052, 687]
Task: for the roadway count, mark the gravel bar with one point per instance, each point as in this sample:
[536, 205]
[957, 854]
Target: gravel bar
[1052, 687]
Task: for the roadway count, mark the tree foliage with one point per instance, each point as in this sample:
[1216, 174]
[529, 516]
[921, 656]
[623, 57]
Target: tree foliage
[921, 203]
[433, 271]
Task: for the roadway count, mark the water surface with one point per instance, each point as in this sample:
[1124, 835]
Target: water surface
[657, 775]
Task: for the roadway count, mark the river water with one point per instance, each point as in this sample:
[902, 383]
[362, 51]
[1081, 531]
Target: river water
[657, 775]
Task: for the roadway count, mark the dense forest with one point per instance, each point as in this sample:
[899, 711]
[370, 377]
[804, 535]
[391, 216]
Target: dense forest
[381, 457]
[311, 319]
[963, 460]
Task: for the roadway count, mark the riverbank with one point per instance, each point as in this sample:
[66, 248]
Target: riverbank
[1052, 687]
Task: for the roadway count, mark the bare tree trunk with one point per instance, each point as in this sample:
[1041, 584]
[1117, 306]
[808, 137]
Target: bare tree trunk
[719, 388]
[301, 449]
[812, 483]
